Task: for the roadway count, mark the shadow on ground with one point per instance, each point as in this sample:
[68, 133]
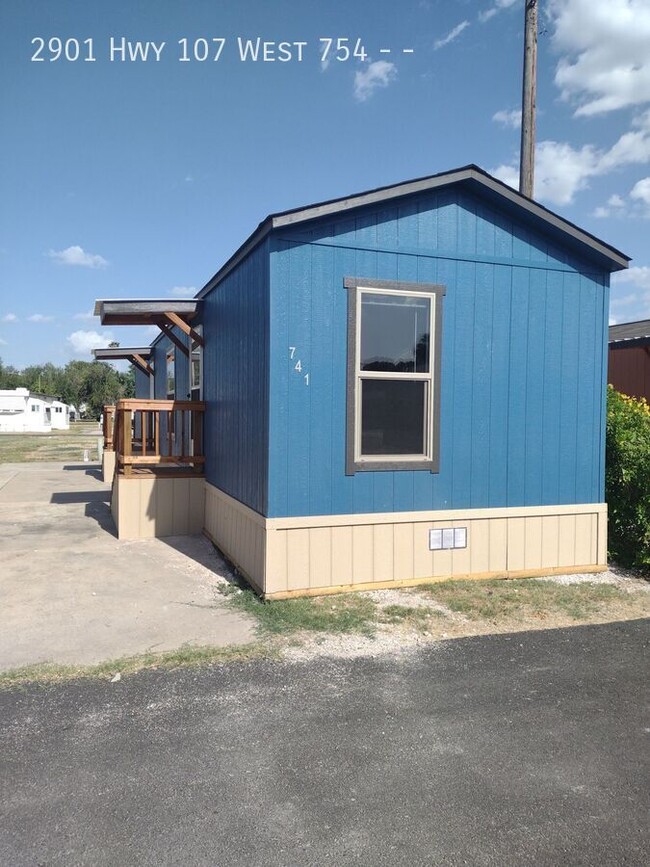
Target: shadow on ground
[66, 497]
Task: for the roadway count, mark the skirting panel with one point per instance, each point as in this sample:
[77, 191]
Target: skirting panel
[108, 466]
[238, 531]
[149, 507]
[294, 556]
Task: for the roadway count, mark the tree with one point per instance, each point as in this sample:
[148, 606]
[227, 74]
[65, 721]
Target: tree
[93, 383]
[9, 377]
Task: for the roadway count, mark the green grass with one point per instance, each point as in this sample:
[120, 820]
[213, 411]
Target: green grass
[58, 445]
[417, 617]
[347, 612]
[495, 600]
[49, 673]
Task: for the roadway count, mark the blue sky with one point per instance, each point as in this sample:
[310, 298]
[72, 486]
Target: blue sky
[139, 179]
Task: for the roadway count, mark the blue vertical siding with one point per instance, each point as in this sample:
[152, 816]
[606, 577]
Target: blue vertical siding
[235, 318]
[522, 372]
[141, 383]
[159, 360]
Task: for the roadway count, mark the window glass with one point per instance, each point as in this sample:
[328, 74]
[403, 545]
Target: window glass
[395, 333]
[393, 413]
[171, 376]
[196, 366]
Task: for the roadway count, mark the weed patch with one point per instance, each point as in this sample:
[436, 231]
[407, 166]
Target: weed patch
[50, 673]
[497, 600]
[417, 617]
[348, 612]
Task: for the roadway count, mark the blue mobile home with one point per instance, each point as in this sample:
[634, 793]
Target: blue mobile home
[401, 385]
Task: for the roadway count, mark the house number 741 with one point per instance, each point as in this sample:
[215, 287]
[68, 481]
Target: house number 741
[298, 364]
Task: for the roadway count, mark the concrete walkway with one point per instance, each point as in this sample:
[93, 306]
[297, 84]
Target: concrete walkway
[71, 593]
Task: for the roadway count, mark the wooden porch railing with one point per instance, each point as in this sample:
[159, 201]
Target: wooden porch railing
[108, 423]
[154, 436]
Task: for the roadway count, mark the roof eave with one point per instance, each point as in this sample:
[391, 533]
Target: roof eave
[116, 311]
[615, 259]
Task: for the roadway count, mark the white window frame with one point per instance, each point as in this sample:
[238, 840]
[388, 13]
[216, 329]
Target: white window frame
[170, 358]
[196, 347]
[429, 458]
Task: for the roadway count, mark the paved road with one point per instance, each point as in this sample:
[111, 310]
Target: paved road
[503, 750]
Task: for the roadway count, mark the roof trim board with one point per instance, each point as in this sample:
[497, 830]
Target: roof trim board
[143, 312]
[469, 174]
[118, 352]
[136, 355]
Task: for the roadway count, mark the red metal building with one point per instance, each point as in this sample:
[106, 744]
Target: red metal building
[629, 358]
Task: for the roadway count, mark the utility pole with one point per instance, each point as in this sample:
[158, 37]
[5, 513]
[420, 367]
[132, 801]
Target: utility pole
[528, 99]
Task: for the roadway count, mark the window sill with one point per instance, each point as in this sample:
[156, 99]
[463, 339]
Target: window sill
[390, 466]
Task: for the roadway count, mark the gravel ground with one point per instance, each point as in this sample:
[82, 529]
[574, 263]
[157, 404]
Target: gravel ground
[401, 639]
[623, 578]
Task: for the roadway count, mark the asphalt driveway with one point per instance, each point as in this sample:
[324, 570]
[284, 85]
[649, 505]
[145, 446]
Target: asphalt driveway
[504, 750]
[71, 593]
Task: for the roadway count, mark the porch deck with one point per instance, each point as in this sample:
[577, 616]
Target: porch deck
[155, 437]
[154, 458]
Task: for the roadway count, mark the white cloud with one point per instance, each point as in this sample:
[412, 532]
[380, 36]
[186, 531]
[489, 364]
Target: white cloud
[3, 342]
[10, 317]
[605, 62]
[632, 147]
[77, 256]
[83, 341]
[499, 6]
[88, 314]
[615, 204]
[183, 291]
[508, 174]
[377, 74]
[561, 170]
[510, 119]
[641, 191]
[453, 34]
[612, 321]
[630, 297]
[38, 317]
[637, 275]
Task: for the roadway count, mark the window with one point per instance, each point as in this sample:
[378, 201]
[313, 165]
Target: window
[171, 376]
[34, 407]
[393, 375]
[196, 372]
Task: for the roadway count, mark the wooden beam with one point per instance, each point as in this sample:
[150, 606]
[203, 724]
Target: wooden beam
[139, 361]
[175, 319]
[167, 331]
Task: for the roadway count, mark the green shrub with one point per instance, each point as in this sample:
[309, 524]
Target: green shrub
[627, 479]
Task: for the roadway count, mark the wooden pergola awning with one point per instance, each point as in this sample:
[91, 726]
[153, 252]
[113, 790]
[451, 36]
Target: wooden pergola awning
[165, 313]
[139, 356]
